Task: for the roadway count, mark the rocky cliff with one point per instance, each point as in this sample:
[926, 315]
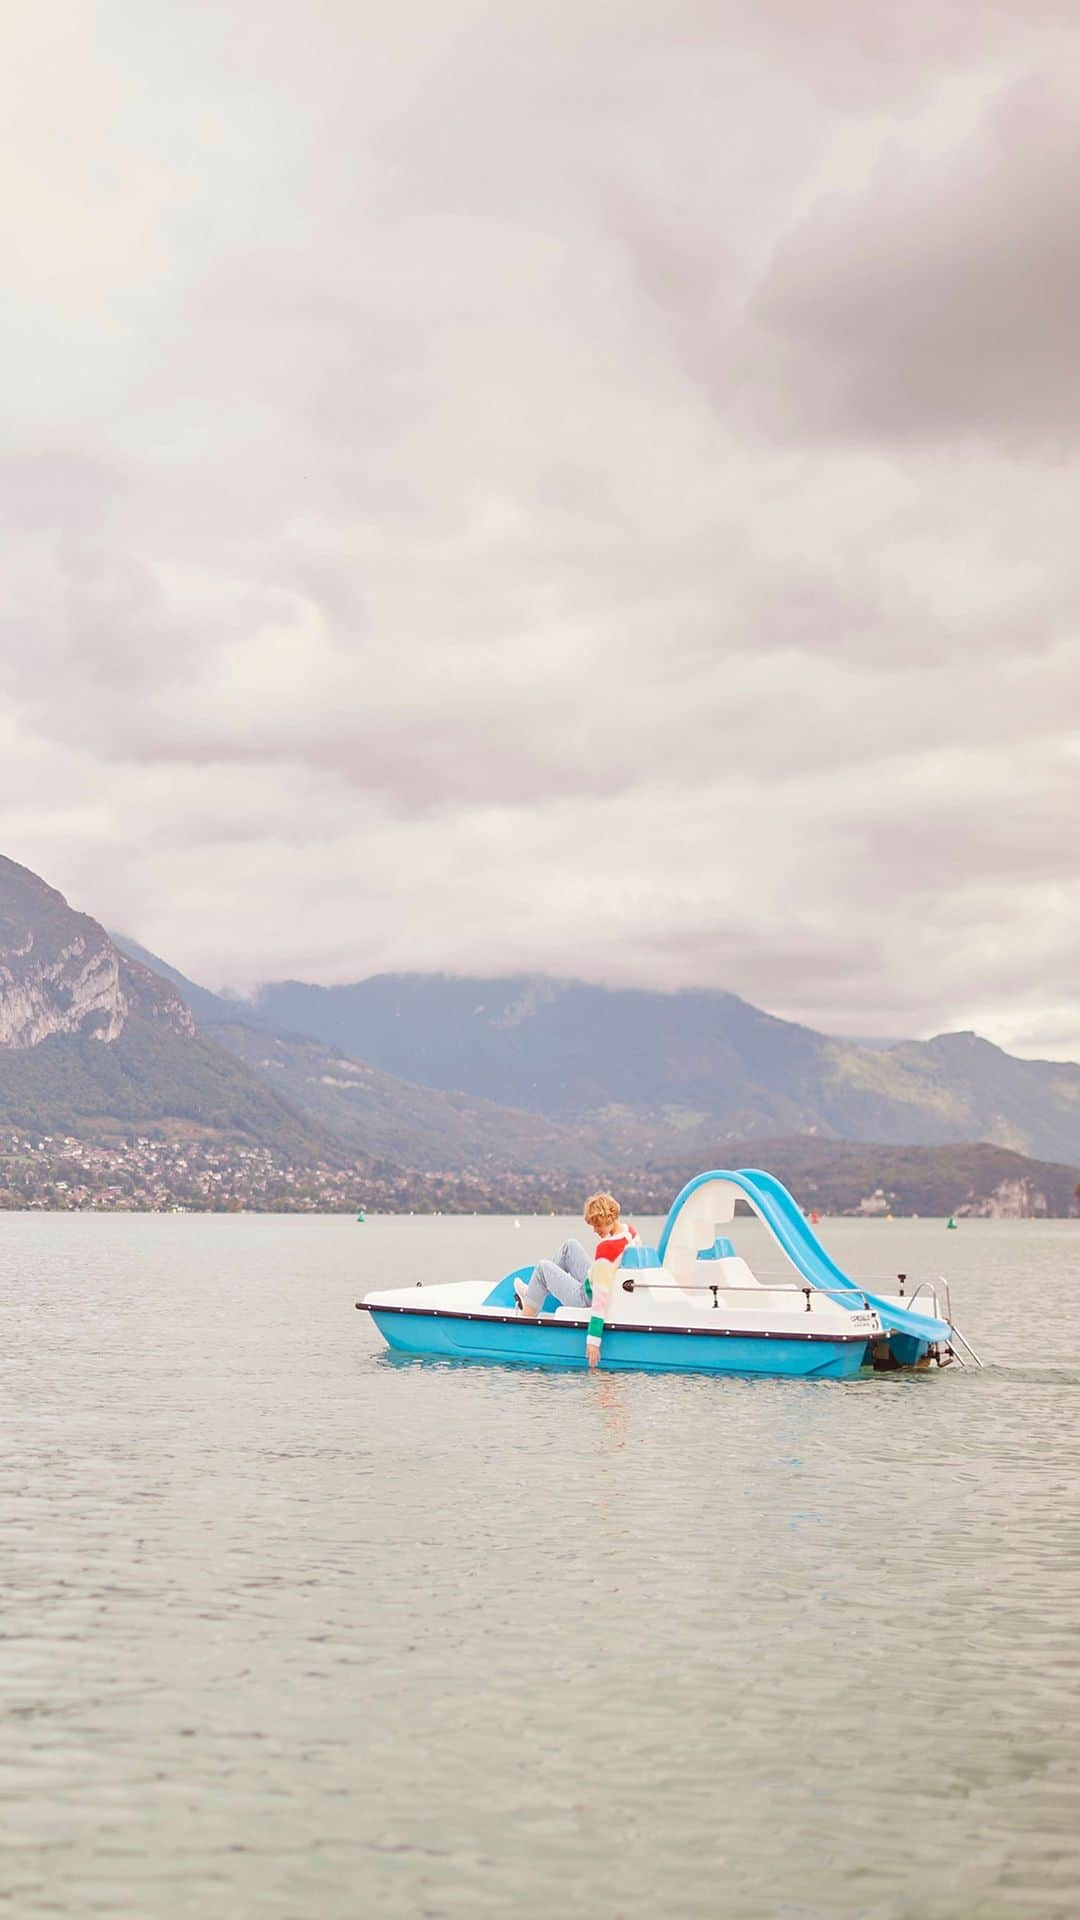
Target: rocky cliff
[61, 974]
[93, 1044]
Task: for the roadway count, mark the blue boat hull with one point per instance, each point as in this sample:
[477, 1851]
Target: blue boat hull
[545, 1343]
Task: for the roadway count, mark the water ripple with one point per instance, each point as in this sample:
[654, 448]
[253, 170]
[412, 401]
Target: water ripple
[290, 1628]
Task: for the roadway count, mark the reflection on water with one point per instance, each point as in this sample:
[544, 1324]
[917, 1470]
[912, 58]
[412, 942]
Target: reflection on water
[293, 1629]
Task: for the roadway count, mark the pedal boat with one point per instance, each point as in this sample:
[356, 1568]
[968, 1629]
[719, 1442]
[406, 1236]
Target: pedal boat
[691, 1304]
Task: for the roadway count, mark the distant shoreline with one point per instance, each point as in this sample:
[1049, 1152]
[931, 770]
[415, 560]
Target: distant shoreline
[206, 1173]
[489, 1213]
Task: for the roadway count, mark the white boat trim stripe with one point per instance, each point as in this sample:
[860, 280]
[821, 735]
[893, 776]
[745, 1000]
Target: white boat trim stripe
[551, 1325]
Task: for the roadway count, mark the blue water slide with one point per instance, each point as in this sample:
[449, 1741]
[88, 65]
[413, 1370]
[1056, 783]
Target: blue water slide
[786, 1222]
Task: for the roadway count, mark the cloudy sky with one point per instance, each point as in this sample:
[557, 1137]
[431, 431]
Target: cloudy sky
[576, 487]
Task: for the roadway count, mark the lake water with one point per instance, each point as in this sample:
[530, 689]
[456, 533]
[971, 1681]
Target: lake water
[294, 1629]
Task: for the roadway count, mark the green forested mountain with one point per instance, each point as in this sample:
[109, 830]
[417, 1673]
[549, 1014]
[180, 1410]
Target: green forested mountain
[148, 1079]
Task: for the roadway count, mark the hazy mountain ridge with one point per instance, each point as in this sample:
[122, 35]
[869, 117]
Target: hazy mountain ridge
[609, 1083]
[386, 1117]
[563, 1048]
[98, 1041]
[652, 1152]
[575, 1052]
[374, 1113]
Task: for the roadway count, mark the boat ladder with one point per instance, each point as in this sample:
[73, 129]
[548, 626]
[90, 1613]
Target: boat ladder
[931, 1287]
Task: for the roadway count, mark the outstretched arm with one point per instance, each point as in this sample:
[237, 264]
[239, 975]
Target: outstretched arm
[601, 1275]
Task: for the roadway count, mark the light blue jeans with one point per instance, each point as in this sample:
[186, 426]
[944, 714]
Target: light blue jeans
[564, 1276]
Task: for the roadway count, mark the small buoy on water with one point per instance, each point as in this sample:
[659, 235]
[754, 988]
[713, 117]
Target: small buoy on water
[517, 1223]
[951, 1221]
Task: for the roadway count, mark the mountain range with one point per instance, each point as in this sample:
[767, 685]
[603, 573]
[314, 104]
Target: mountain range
[644, 1069]
[460, 1075]
[695, 1065]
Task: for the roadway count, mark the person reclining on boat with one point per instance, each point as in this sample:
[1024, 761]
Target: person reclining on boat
[567, 1275]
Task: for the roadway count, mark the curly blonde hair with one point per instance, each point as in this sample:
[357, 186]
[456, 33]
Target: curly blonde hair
[601, 1212]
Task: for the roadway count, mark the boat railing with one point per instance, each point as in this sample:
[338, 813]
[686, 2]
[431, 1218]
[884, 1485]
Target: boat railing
[633, 1281]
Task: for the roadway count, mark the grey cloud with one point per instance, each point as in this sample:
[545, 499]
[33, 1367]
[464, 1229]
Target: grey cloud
[45, 487]
[469, 723]
[944, 297]
[457, 455]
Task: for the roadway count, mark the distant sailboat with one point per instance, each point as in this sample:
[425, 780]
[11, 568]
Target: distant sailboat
[361, 1216]
[951, 1221]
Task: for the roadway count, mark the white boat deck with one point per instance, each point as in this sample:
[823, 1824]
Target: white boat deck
[724, 1292]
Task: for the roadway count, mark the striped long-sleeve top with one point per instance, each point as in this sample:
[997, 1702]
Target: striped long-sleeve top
[609, 1252]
